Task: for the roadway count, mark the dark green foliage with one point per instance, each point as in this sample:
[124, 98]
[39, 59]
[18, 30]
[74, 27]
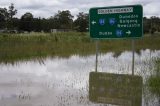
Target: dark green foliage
[151, 25]
[9, 17]
[3, 17]
[26, 22]
[64, 19]
[12, 11]
[81, 24]
[146, 25]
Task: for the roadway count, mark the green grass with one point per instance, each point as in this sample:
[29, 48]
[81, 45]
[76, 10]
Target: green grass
[154, 80]
[15, 47]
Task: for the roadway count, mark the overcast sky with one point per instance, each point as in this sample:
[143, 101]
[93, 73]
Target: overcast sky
[47, 8]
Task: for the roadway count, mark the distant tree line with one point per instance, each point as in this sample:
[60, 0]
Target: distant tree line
[27, 22]
[151, 25]
[61, 20]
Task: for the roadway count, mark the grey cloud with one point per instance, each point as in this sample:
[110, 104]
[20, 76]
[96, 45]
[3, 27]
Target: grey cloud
[33, 7]
[47, 8]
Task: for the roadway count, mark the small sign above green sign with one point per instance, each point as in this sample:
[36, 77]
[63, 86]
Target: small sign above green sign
[116, 22]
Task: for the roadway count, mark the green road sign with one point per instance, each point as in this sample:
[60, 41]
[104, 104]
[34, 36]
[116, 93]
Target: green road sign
[124, 90]
[116, 22]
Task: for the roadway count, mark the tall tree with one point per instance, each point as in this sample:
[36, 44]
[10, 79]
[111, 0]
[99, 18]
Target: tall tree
[45, 25]
[81, 23]
[12, 11]
[146, 25]
[3, 17]
[65, 19]
[26, 22]
[155, 24]
[36, 23]
[16, 23]
[3, 12]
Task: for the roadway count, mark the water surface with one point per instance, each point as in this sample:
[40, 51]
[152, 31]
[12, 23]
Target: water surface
[65, 81]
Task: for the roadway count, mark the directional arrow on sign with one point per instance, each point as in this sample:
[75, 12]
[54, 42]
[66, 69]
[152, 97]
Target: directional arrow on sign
[128, 32]
[93, 22]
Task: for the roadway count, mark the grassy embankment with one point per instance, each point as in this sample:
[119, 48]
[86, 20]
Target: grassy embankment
[38, 45]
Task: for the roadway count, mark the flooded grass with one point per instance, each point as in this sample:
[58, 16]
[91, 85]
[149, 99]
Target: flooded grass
[154, 80]
[41, 45]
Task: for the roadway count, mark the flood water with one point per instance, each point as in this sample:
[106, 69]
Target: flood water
[65, 81]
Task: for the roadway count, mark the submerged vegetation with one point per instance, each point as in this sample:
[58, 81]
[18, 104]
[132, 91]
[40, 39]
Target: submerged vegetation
[154, 80]
[40, 45]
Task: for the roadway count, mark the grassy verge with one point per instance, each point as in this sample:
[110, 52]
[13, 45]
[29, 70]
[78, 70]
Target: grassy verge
[38, 45]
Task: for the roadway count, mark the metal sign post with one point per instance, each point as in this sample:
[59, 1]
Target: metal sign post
[97, 49]
[133, 50]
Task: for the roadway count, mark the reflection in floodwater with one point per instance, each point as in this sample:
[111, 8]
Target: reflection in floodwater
[117, 89]
[65, 82]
